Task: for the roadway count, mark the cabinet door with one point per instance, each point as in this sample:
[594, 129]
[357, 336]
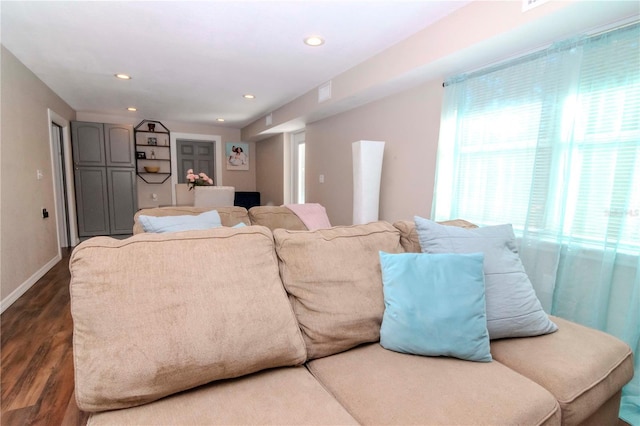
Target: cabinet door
[122, 199]
[92, 201]
[88, 144]
[119, 145]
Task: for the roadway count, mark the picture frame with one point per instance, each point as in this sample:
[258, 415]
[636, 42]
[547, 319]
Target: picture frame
[141, 155]
[237, 156]
[152, 141]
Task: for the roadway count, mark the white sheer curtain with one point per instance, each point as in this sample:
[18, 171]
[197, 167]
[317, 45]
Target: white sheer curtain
[550, 142]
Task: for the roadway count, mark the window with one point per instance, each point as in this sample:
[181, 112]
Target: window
[550, 142]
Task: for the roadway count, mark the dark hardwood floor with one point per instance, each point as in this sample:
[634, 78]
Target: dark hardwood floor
[37, 358]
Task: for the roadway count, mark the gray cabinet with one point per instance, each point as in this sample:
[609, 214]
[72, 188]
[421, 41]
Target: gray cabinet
[104, 176]
[122, 199]
[92, 201]
[88, 144]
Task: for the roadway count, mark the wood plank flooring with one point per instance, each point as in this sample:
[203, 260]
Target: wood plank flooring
[36, 364]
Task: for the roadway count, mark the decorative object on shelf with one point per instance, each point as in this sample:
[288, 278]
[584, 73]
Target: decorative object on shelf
[152, 140]
[367, 171]
[200, 179]
[237, 156]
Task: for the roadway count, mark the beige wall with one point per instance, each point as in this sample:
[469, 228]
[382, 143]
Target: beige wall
[240, 179]
[28, 243]
[409, 124]
[396, 97]
[269, 161]
[474, 35]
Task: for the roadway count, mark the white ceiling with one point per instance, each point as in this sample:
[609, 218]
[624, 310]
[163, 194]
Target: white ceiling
[192, 61]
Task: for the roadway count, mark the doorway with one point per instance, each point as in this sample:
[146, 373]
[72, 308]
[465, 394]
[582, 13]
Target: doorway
[298, 167]
[60, 182]
[197, 155]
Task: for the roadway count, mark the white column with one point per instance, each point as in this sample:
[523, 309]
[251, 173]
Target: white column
[367, 170]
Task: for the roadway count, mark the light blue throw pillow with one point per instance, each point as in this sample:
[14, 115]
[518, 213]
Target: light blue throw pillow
[161, 224]
[434, 305]
[513, 309]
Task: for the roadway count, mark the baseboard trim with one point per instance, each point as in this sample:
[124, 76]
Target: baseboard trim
[22, 289]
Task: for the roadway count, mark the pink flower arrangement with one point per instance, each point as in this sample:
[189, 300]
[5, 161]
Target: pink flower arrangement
[200, 179]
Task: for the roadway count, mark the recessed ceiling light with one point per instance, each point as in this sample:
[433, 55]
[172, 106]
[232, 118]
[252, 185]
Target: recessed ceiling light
[314, 41]
[249, 96]
[123, 76]
[219, 120]
[132, 109]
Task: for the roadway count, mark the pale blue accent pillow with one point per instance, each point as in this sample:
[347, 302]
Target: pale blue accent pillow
[513, 309]
[239, 225]
[434, 305]
[161, 224]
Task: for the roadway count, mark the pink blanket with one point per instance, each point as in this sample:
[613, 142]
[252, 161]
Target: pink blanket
[313, 215]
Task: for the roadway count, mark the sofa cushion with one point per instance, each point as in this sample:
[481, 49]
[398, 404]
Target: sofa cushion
[155, 314]
[289, 395]
[378, 386]
[206, 220]
[580, 366]
[334, 280]
[275, 217]
[409, 234]
[434, 305]
[513, 309]
[229, 216]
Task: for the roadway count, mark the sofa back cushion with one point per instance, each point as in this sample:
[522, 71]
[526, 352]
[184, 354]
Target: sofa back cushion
[409, 234]
[160, 313]
[276, 217]
[229, 216]
[334, 281]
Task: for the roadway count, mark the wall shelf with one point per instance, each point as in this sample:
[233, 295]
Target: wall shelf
[153, 148]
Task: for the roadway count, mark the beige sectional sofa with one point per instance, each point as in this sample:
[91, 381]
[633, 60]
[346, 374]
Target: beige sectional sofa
[257, 326]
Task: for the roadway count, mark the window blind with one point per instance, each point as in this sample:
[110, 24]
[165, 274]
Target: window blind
[551, 141]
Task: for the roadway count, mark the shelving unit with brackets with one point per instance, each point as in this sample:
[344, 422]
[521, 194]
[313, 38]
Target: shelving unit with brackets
[153, 151]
